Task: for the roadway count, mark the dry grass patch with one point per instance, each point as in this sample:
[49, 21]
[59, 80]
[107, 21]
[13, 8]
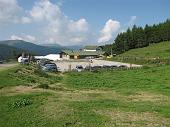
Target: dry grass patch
[146, 96]
[133, 119]
[87, 95]
[11, 91]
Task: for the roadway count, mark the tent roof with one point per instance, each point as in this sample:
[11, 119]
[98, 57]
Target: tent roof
[82, 53]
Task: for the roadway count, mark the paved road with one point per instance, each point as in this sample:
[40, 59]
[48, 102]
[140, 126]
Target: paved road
[8, 65]
[64, 65]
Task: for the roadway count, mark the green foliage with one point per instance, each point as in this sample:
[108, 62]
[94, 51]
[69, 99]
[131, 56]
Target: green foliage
[41, 73]
[139, 37]
[9, 52]
[44, 86]
[7, 80]
[124, 80]
[27, 75]
[153, 54]
[21, 103]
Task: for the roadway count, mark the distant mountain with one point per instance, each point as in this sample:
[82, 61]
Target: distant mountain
[9, 52]
[74, 47]
[51, 45]
[30, 47]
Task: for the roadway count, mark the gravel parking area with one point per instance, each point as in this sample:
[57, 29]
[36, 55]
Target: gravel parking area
[66, 65]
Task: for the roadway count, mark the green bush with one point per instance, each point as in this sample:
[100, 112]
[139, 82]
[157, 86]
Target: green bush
[44, 86]
[21, 103]
[41, 73]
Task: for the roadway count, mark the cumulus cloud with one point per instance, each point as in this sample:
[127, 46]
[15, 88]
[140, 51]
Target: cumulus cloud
[9, 11]
[110, 28]
[58, 28]
[28, 38]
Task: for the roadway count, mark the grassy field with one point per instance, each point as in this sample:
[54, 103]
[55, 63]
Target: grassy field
[118, 98]
[155, 53]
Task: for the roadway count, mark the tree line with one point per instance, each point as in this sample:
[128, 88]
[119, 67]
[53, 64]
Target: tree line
[138, 37]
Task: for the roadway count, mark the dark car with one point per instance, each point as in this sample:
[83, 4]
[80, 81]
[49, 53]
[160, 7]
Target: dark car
[1, 62]
[113, 66]
[44, 62]
[94, 68]
[106, 67]
[52, 67]
[79, 68]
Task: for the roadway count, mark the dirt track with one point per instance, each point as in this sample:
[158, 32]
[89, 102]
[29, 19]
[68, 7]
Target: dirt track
[8, 65]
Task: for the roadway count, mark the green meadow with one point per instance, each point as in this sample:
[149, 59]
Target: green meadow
[153, 54]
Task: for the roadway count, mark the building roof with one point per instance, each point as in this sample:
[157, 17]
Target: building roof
[91, 47]
[82, 53]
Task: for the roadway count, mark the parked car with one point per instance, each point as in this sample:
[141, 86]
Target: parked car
[113, 66]
[95, 68]
[44, 62]
[106, 67]
[1, 62]
[52, 67]
[24, 61]
[79, 68]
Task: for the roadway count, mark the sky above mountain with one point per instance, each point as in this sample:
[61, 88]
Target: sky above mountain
[76, 22]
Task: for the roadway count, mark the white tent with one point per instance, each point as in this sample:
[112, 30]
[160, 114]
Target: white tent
[53, 57]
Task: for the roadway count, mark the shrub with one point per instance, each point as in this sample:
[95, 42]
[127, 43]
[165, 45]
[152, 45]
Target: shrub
[21, 103]
[41, 73]
[44, 86]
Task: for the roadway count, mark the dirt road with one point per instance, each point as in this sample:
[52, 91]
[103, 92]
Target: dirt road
[7, 65]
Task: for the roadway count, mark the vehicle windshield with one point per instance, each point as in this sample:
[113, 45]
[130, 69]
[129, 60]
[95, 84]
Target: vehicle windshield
[79, 67]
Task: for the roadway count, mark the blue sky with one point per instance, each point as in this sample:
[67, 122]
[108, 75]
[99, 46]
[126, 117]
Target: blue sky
[76, 22]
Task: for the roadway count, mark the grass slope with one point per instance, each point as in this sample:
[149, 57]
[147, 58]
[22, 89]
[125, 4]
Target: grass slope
[146, 54]
[120, 98]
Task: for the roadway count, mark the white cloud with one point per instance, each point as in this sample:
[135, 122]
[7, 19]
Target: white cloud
[58, 28]
[25, 20]
[110, 28]
[45, 10]
[15, 37]
[132, 20]
[9, 11]
[28, 38]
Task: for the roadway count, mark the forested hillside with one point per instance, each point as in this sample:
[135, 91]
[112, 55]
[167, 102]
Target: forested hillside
[31, 47]
[139, 37]
[8, 52]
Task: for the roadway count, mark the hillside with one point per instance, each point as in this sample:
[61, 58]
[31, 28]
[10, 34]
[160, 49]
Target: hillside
[156, 52]
[161, 50]
[139, 37]
[8, 52]
[33, 48]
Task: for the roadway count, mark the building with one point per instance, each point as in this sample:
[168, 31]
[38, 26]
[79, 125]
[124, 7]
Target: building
[88, 51]
[92, 48]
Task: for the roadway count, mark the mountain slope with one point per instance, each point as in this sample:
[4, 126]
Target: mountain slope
[32, 48]
[157, 53]
[161, 50]
[8, 52]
